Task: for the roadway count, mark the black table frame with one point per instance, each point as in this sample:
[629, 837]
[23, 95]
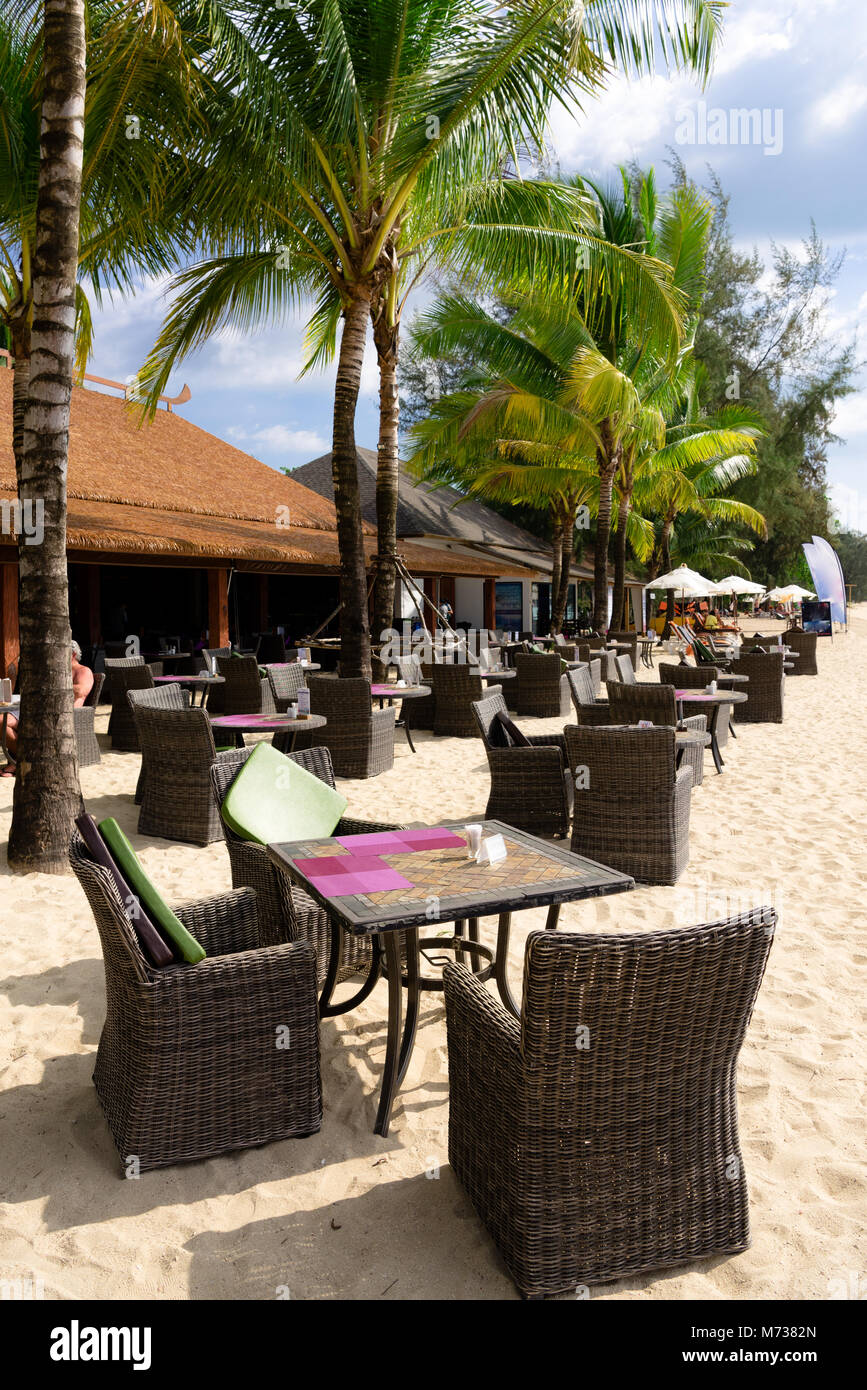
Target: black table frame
[385, 927]
[716, 702]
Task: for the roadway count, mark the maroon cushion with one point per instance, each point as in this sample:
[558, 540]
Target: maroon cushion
[513, 738]
[152, 943]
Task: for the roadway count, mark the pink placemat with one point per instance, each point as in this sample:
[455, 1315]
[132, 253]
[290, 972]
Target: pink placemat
[400, 841]
[386, 689]
[262, 721]
[693, 695]
[339, 875]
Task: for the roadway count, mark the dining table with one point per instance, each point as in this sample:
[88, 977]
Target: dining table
[715, 701]
[387, 692]
[268, 723]
[201, 682]
[389, 885]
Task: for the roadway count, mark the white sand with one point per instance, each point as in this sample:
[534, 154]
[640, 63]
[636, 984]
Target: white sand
[348, 1214]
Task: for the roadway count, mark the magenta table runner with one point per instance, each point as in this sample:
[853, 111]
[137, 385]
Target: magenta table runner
[246, 721]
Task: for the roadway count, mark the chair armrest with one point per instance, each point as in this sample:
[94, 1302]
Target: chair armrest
[225, 924]
[266, 981]
[388, 715]
[683, 783]
[471, 1010]
[595, 716]
[549, 741]
[696, 722]
[347, 825]
[549, 758]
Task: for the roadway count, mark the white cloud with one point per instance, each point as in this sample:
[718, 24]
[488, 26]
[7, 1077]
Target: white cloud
[850, 415]
[835, 110]
[281, 439]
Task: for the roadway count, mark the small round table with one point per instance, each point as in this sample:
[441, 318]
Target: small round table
[267, 724]
[646, 645]
[716, 702]
[390, 693]
[306, 665]
[494, 677]
[201, 682]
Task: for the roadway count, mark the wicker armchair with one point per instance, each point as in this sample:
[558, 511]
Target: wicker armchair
[186, 1067]
[118, 663]
[588, 709]
[592, 658]
[285, 680]
[589, 1164]
[632, 802]
[456, 688]
[85, 733]
[541, 687]
[286, 913]
[629, 703]
[360, 739]
[625, 669]
[530, 787]
[805, 644]
[177, 747]
[766, 673]
[121, 724]
[682, 677]
[245, 691]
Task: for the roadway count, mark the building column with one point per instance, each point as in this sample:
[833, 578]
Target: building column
[489, 602]
[8, 617]
[90, 593]
[218, 608]
[264, 624]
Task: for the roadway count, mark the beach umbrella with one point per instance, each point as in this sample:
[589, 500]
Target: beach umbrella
[735, 584]
[787, 592]
[684, 581]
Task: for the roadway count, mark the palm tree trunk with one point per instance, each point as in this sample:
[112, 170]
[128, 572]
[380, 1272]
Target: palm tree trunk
[620, 560]
[566, 542]
[385, 336]
[608, 461]
[20, 334]
[556, 569]
[47, 795]
[354, 622]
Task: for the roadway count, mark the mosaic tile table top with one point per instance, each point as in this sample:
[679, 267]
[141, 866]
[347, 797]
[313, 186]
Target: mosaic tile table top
[404, 878]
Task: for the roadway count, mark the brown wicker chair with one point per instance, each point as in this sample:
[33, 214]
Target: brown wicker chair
[632, 638]
[541, 687]
[187, 1066]
[766, 673]
[245, 690]
[118, 663]
[530, 787]
[805, 644]
[631, 803]
[177, 747]
[589, 1163]
[630, 703]
[625, 669]
[592, 658]
[85, 733]
[285, 680]
[121, 724]
[456, 688]
[286, 913]
[359, 738]
[588, 709]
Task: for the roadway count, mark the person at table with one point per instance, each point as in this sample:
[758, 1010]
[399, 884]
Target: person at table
[82, 684]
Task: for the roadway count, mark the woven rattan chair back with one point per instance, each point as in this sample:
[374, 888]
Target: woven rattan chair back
[178, 751]
[629, 703]
[625, 670]
[121, 724]
[806, 645]
[686, 677]
[87, 747]
[541, 687]
[623, 762]
[581, 686]
[360, 739]
[285, 680]
[455, 688]
[242, 692]
[766, 687]
[484, 713]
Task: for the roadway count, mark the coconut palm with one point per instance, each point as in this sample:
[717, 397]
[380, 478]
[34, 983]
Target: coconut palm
[368, 136]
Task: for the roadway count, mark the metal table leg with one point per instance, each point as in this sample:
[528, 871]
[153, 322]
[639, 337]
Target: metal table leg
[501, 967]
[398, 1049]
[326, 1008]
[714, 746]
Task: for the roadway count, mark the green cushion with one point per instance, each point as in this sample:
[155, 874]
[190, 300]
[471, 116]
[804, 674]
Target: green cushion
[148, 895]
[273, 800]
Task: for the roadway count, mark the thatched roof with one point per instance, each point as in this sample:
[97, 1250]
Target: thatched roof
[167, 489]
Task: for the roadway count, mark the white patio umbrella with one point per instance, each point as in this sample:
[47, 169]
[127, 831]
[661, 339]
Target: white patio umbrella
[786, 593]
[684, 581]
[736, 584]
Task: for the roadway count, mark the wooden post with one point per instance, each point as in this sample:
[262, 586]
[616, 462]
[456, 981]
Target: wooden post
[264, 624]
[218, 608]
[490, 604]
[8, 617]
[91, 616]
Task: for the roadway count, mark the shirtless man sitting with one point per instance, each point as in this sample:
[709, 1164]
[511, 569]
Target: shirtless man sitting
[82, 684]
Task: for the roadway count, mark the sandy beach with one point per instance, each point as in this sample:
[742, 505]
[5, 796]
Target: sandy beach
[346, 1214]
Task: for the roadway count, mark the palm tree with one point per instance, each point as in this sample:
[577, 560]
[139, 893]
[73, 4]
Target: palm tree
[83, 198]
[366, 133]
[46, 795]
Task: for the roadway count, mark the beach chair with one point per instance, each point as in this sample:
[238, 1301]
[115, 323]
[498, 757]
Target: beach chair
[530, 785]
[85, 733]
[632, 803]
[178, 751]
[187, 1067]
[597, 1160]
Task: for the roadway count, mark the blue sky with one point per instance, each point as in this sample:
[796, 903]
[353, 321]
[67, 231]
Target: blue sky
[803, 62]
